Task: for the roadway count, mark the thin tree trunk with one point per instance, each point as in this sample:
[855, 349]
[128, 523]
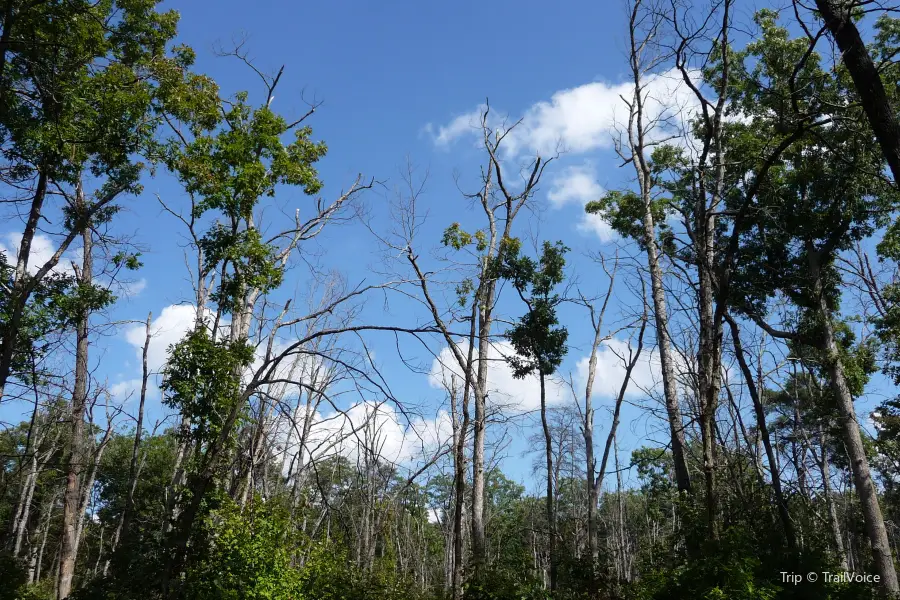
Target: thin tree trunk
[551, 513]
[459, 475]
[72, 500]
[32, 444]
[636, 137]
[124, 525]
[36, 576]
[763, 429]
[829, 502]
[478, 435]
[88, 485]
[593, 490]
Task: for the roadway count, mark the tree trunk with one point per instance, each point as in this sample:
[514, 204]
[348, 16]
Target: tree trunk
[21, 288]
[199, 483]
[837, 15]
[459, 460]
[122, 531]
[708, 391]
[551, 514]
[72, 498]
[36, 575]
[859, 464]
[26, 494]
[593, 492]
[637, 132]
[763, 429]
[829, 502]
[478, 434]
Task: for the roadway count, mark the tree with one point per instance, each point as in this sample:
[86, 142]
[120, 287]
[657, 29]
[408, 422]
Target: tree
[91, 110]
[839, 17]
[477, 293]
[539, 341]
[642, 216]
[819, 200]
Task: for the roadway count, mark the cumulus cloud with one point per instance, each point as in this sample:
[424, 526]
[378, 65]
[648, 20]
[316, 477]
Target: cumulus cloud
[575, 185]
[610, 372]
[42, 250]
[584, 118]
[524, 394]
[503, 389]
[132, 289]
[362, 425]
[462, 125]
[578, 185]
[129, 390]
[365, 424]
[173, 322]
[365, 427]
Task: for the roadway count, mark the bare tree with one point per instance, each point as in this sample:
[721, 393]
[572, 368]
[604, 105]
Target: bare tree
[642, 136]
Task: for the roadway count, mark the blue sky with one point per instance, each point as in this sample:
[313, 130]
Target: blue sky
[385, 71]
[399, 81]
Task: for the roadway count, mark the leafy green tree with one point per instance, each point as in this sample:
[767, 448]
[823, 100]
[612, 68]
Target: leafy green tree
[250, 555]
[82, 115]
[229, 170]
[538, 339]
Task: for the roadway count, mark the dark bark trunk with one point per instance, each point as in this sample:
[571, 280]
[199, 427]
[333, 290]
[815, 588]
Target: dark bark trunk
[72, 498]
[866, 79]
[21, 286]
[763, 429]
[551, 515]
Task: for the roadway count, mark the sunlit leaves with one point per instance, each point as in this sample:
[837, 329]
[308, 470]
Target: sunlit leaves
[539, 341]
[203, 380]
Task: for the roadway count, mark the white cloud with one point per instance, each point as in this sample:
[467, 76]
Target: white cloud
[596, 225]
[132, 289]
[130, 390]
[578, 185]
[42, 250]
[584, 118]
[168, 328]
[365, 424]
[125, 389]
[344, 432]
[367, 427]
[610, 372]
[524, 394]
[503, 389]
[462, 125]
[575, 185]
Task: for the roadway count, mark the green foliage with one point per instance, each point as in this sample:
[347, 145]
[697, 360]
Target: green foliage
[539, 342]
[624, 211]
[329, 574]
[231, 169]
[729, 572]
[250, 557]
[12, 575]
[203, 380]
[45, 312]
[253, 263]
[502, 584]
[457, 238]
[858, 359]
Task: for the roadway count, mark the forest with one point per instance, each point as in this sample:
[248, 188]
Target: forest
[225, 375]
